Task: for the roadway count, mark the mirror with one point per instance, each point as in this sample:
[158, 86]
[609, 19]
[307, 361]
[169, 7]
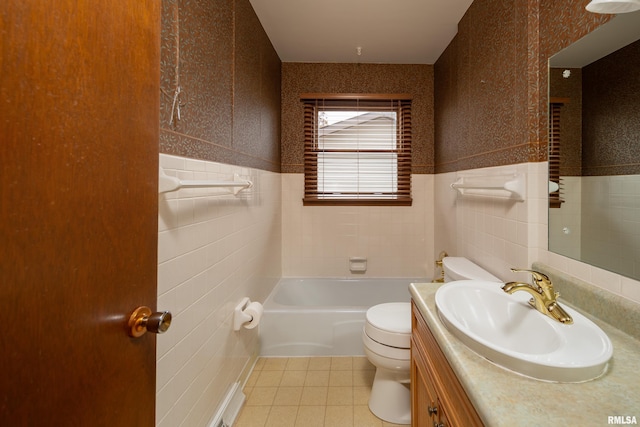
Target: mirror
[595, 85]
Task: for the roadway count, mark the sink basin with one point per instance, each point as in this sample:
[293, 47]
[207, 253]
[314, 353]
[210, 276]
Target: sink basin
[509, 332]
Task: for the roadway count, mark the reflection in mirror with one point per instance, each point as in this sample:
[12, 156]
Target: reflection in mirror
[594, 88]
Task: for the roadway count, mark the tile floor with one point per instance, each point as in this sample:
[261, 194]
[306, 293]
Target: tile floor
[309, 392]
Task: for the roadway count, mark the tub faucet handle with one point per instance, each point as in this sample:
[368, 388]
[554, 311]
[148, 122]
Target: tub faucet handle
[440, 278]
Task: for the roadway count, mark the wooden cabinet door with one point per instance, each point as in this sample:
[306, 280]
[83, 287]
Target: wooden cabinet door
[426, 406]
[79, 107]
[423, 396]
[452, 405]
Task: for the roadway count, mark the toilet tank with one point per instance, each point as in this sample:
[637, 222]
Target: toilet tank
[460, 268]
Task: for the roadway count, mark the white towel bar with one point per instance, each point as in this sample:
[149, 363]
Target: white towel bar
[168, 183]
[512, 186]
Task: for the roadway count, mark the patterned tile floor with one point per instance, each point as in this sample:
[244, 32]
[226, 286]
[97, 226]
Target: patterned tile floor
[309, 392]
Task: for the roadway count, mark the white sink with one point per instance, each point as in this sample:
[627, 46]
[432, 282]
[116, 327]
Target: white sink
[509, 332]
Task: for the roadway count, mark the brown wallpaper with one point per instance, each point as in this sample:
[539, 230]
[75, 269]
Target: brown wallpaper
[611, 107]
[561, 24]
[491, 82]
[481, 89]
[490, 96]
[300, 78]
[569, 89]
[229, 75]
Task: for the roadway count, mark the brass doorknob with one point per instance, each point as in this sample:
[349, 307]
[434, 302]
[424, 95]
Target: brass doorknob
[142, 320]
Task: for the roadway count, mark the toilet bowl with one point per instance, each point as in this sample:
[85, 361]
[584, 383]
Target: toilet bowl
[387, 336]
[387, 344]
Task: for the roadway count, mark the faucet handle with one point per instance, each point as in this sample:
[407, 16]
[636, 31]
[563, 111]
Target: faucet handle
[540, 279]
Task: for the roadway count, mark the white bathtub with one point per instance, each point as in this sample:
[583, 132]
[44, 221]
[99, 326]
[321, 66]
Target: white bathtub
[323, 317]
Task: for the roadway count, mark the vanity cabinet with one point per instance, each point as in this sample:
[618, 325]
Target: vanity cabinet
[437, 397]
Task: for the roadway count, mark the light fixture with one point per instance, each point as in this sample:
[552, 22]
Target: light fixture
[613, 6]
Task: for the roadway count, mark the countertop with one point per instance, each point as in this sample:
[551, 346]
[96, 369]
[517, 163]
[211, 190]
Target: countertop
[505, 398]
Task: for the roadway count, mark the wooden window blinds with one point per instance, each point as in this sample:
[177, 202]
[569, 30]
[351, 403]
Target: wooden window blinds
[555, 105]
[357, 149]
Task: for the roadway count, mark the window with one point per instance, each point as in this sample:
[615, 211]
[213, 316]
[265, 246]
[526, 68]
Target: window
[357, 149]
[555, 105]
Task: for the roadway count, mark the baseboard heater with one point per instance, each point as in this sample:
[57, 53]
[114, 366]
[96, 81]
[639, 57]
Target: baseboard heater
[229, 408]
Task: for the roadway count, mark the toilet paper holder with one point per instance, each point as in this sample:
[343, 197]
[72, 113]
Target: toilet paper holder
[244, 317]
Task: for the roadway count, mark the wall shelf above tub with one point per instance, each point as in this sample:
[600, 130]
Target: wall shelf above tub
[168, 183]
[506, 186]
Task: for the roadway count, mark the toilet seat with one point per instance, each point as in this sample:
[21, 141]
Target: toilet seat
[389, 324]
[386, 351]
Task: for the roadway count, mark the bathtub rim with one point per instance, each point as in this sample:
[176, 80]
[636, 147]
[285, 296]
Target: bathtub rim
[272, 306]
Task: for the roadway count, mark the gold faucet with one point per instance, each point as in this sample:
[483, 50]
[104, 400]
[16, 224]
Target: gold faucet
[544, 297]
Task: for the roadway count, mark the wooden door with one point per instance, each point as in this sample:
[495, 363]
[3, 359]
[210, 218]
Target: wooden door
[79, 106]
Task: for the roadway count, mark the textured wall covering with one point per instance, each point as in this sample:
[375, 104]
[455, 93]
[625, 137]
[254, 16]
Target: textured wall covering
[481, 90]
[599, 125]
[229, 75]
[561, 24]
[474, 228]
[611, 107]
[214, 248]
[569, 88]
[491, 82]
[300, 78]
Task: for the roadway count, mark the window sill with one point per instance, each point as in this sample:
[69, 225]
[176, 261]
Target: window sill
[357, 202]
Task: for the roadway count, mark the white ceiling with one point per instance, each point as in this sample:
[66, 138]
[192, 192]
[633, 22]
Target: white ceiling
[387, 31]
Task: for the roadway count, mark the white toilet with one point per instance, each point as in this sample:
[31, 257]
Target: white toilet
[460, 268]
[387, 344]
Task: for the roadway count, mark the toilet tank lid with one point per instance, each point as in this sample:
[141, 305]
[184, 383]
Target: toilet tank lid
[461, 268]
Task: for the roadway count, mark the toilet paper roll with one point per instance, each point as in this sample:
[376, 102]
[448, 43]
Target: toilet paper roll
[254, 310]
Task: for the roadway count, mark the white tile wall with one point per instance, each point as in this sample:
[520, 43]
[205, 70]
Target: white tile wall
[493, 232]
[565, 223]
[625, 204]
[213, 249]
[499, 235]
[611, 222]
[319, 240]
[445, 231]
